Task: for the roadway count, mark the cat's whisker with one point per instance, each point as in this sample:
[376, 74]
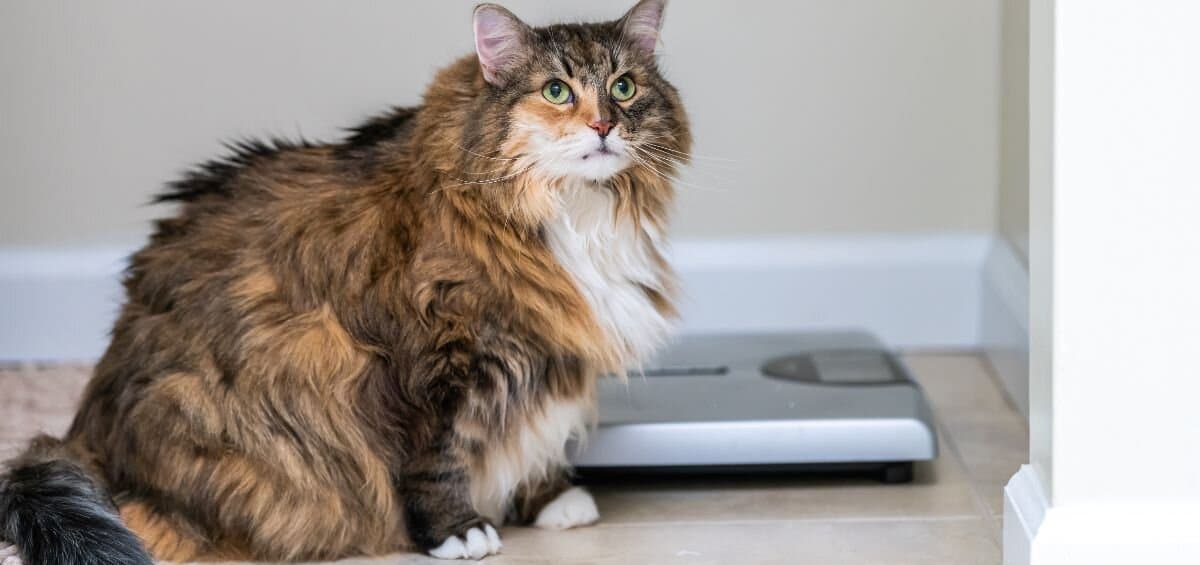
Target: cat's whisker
[481, 156]
[674, 179]
[488, 172]
[464, 182]
[664, 159]
[522, 169]
[676, 162]
[679, 158]
[642, 157]
[690, 155]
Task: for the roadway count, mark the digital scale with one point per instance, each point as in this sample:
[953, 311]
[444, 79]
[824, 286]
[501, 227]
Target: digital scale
[763, 402]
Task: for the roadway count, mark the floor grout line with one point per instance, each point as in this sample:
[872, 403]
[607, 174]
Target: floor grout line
[985, 510]
[997, 382]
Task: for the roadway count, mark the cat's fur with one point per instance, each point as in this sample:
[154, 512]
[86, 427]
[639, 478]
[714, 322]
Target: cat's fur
[384, 343]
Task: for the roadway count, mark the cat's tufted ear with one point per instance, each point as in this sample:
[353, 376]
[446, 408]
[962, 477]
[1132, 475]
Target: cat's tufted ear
[642, 22]
[501, 41]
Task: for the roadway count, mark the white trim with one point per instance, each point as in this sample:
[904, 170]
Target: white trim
[1105, 532]
[58, 304]
[913, 291]
[1004, 333]
[756, 253]
[1025, 507]
[1119, 532]
[77, 262]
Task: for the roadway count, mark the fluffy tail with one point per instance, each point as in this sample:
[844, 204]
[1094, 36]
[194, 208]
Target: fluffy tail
[56, 513]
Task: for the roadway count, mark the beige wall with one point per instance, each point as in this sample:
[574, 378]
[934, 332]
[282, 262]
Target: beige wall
[868, 116]
[1012, 209]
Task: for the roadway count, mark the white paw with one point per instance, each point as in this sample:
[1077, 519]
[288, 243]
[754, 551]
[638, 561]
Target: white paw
[8, 554]
[574, 507]
[479, 542]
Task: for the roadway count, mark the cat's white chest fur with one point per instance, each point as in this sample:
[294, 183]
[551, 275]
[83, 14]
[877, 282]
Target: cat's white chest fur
[533, 451]
[610, 261]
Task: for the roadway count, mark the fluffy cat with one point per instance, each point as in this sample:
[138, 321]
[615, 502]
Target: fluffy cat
[380, 344]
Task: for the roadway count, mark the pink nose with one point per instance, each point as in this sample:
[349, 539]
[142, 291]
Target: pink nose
[602, 127]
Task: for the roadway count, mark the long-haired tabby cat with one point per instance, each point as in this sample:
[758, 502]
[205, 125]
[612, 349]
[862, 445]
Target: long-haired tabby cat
[380, 344]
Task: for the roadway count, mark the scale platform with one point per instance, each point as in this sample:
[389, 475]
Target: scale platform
[763, 402]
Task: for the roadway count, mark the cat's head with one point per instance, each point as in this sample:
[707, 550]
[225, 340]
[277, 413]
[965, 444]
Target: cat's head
[580, 101]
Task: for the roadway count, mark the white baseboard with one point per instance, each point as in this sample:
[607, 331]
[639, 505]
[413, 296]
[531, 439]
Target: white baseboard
[913, 291]
[1025, 507]
[1103, 532]
[1004, 318]
[59, 304]
[1115, 533]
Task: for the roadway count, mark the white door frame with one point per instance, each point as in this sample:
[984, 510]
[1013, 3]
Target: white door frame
[1115, 287]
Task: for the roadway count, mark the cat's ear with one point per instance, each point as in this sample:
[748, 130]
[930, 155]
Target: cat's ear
[640, 25]
[501, 41]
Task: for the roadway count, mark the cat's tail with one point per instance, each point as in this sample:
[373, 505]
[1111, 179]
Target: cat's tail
[53, 511]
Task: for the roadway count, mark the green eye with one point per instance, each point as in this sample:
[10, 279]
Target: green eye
[557, 92]
[623, 89]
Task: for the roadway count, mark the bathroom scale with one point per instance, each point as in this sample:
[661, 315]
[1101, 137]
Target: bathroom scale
[783, 402]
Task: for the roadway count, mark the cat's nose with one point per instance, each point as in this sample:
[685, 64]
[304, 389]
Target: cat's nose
[602, 127]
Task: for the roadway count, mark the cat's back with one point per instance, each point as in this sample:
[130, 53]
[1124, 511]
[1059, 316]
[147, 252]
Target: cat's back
[261, 172]
[291, 206]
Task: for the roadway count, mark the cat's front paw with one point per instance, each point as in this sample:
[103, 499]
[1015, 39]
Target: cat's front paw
[476, 542]
[574, 507]
[9, 554]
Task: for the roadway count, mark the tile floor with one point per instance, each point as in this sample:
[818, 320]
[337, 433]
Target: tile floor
[950, 515]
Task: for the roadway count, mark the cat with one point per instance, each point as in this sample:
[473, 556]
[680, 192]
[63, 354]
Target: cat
[381, 344]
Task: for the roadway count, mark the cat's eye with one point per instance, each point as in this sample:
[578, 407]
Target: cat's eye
[557, 92]
[623, 89]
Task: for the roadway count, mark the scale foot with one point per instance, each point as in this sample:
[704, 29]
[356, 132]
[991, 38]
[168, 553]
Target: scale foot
[895, 473]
